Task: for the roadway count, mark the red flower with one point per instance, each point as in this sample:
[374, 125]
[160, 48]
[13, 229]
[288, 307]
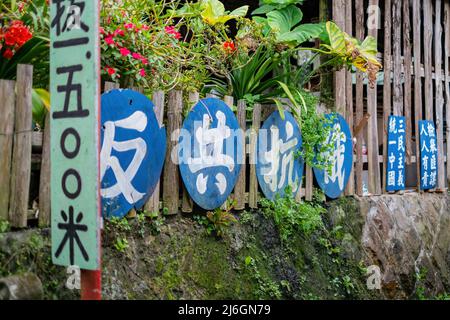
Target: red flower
[136, 56]
[142, 72]
[119, 32]
[8, 54]
[145, 27]
[129, 26]
[144, 61]
[229, 46]
[109, 40]
[124, 52]
[171, 30]
[17, 34]
[101, 30]
[110, 70]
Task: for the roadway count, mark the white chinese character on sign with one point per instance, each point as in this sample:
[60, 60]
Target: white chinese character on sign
[433, 147]
[424, 147]
[433, 176]
[400, 162]
[392, 160]
[400, 182]
[433, 162]
[391, 178]
[401, 144]
[392, 125]
[425, 179]
[401, 125]
[423, 131]
[283, 151]
[211, 142]
[425, 162]
[337, 170]
[124, 176]
[430, 129]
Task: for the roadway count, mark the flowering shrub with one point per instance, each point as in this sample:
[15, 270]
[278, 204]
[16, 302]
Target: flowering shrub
[13, 37]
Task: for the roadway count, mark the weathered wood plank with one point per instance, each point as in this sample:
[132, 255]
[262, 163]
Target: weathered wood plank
[308, 183]
[171, 175]
[339, 76]
[447, 85]
[387, 86]
[44, 180]
[439, 92]
[7, 97]
[417, 42]
[359, 100]
[350, 189]
[239, 189]
[21, 160]
[110, 86]
[372, 130]
[428, 61]
[187, 205]
[152, 205]
[397, 57]
[407, 63]
[253, 189]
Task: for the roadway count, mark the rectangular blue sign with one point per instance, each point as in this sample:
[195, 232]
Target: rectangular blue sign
[395, 173]
[428, 155]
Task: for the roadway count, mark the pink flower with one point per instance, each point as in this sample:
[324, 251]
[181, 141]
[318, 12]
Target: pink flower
[129, 26]
[171, 30]
[119, 32]
[142, 72]
[109, 40]
[124, 52]
[144, 61]
[136, 56]
[102, 31]
[145, 27]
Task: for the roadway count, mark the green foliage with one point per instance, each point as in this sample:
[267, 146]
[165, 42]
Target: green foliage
[291, 216]
[218, 221]
[266, 288]
[4, 226]
[121, 244]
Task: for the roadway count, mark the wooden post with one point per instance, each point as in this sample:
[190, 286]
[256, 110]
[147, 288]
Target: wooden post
[187, 204]
[7, 98]
[152, 206]
[171, 182]
[339, 76]
[372, 143]
[428, 61]
[111, 85]
[447, 81]
[350, 189]
[44, 181]
[417, 43]
[359, 100]
[407, 73]
[239, 189]
[439, 96]
[253, 189]
[387, 89]
[21, 160]
[397, 57]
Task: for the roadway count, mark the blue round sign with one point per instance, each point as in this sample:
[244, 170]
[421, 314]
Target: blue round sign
[278, 162]
[132, 153]
[210, 147]
[334, 180]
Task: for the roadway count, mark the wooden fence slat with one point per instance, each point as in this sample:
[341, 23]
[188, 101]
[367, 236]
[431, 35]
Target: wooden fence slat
[308, 183]
[439, 98]
[387, 86]
[152, 205]
[7, 98]
[397, 57]
[339, 76]
[44, 180]
[372, 136]
[110, 86]
[21, 160]
[359, 100]
[171, 178]
[407, 74]
[239, 189]
[350, 188]
[187, 205]
[428, 61]
[447, 84]
[417, 43]
[253, 189]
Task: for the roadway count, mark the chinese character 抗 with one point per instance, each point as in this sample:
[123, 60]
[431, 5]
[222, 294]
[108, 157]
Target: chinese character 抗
[73, 16]
[283, 151]
[138, 122]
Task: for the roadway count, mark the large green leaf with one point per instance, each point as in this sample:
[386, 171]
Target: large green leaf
[303, 33]
[214, 12]
[282, 21]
